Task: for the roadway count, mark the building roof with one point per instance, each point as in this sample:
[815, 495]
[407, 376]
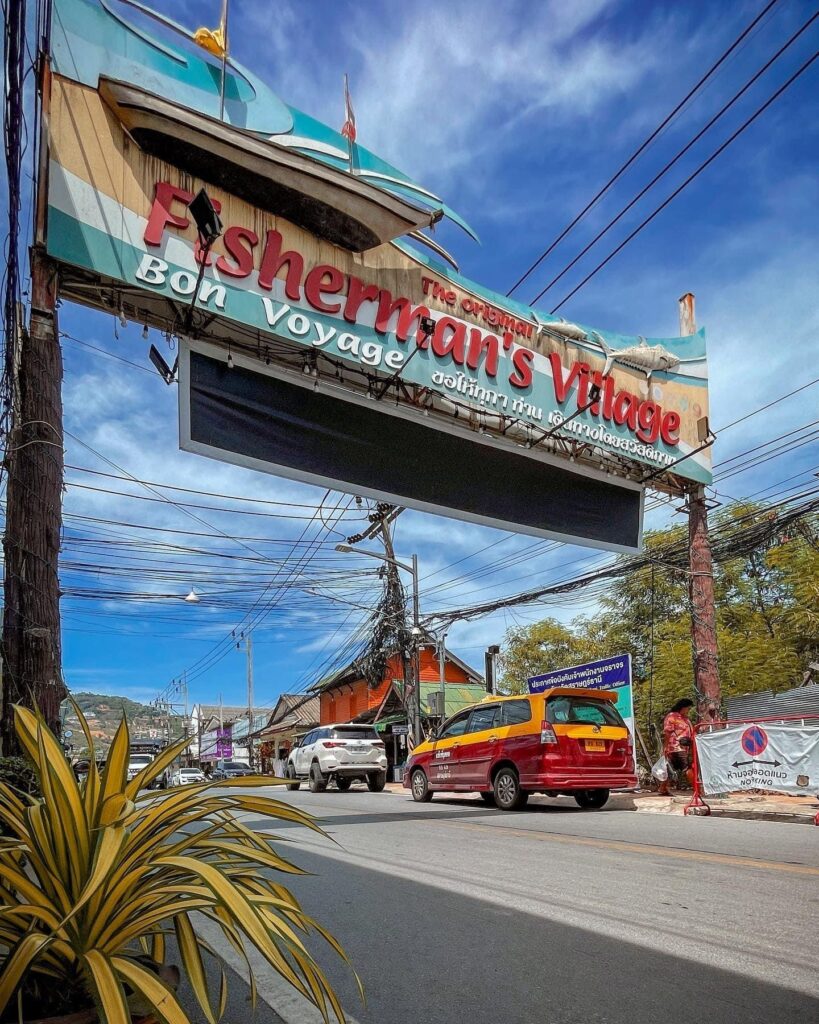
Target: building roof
[228, 712]
[295, 712]
[209, 714]
[300, 707]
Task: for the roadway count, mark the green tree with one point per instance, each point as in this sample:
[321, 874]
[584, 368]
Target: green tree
[767, 608]
[541, 647]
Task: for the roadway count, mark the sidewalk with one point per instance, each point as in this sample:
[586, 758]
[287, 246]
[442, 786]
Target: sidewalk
[799, 810]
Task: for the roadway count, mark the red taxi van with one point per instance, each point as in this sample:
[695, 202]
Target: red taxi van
[564, 740]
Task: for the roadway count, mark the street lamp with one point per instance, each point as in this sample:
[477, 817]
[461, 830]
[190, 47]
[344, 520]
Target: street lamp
[416, 627]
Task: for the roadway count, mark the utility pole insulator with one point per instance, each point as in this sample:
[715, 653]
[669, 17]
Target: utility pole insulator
[701, 577]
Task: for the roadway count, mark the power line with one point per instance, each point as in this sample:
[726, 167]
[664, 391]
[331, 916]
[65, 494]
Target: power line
[644, 145]
[723, 547]
[706, 163]
[667, 167]
[762, 408]
[162, 499]
[110, 355]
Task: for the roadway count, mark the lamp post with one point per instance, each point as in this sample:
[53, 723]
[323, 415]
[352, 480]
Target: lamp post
[412, 569]
[248, 645]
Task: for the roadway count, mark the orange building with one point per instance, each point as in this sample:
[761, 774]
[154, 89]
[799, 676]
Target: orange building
[347, 697]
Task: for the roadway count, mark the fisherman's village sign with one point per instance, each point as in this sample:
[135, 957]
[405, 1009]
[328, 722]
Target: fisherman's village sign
[318, 340]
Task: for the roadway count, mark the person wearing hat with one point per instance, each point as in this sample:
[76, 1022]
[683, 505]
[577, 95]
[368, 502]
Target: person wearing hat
[678, 738]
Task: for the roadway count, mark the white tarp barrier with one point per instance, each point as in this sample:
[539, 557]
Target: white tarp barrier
[781, 758]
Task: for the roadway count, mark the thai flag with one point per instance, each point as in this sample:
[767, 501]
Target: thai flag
[348, 130]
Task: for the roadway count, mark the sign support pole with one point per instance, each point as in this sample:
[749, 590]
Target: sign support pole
[32, 670]
[701, 586]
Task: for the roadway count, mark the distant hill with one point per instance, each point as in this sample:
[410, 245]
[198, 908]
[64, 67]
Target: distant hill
[104, 713]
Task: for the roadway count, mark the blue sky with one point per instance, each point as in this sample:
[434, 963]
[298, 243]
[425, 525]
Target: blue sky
[516, 113]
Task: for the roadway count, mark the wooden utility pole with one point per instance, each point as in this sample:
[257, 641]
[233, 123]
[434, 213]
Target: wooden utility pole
[31, 647]
[701, 578]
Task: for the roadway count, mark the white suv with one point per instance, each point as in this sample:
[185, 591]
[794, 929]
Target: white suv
[343, 753]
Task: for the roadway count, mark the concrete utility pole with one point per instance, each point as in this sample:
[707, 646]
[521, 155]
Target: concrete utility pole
[489, 662]
[249, 652]
[412, 685]
[31, 647]
[412, 702]
[442, 674]
[701, 579]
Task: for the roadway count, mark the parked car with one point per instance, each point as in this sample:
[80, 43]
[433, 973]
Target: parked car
[186, 776]
[136, 762]
[566, 740]
[339, 753]
[230, 770]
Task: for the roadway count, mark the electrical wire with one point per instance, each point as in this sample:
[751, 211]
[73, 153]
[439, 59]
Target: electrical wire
[691, 177]
[645, 144]
[678, 156]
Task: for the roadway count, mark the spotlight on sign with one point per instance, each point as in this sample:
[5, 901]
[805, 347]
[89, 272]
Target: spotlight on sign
[207, 220]
[167, 373]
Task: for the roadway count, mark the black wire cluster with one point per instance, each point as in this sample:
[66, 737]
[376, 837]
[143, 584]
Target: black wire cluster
[389, 632]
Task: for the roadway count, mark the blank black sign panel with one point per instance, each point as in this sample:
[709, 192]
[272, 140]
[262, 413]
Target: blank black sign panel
[254, 419]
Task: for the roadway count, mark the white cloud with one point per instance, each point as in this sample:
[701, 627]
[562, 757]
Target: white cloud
[435, 89]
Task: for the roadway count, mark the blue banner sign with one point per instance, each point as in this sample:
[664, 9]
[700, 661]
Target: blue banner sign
[607, 674]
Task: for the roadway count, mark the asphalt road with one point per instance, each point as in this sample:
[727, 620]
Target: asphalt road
[452, 911]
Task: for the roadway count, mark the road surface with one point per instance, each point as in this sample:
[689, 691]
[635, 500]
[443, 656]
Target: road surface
[453, 911]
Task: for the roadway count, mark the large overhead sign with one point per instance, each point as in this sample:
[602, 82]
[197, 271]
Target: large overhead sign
[309, 288]
[269, 419]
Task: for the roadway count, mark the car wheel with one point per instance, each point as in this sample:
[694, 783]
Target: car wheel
[420, 787]
[508, 794]
[290, 773]
[343, 783]
[488, 798]
[376, 782]
[317, 781]
[591, 799]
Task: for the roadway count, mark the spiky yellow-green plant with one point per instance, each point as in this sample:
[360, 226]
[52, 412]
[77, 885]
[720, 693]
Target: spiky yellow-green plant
[95, 875]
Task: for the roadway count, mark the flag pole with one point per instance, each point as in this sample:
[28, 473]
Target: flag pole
[224, 58]
[349, 122]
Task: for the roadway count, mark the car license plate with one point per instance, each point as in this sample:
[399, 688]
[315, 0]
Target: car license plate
[599, 745]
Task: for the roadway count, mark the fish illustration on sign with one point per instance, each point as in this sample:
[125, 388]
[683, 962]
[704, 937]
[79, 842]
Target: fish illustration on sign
[643, 357]
[564, 328]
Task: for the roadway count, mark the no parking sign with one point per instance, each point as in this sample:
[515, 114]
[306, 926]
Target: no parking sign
[779, 758]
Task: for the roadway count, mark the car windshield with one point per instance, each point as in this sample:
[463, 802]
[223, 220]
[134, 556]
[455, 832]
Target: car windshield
[190, 771]
[140, 759]
[577, 710]
[231, 765]
[353, 732]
